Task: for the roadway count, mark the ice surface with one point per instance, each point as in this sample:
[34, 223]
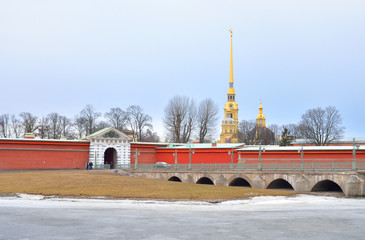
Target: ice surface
[297, 217]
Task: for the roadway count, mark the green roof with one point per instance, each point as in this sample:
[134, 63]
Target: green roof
[98, 132]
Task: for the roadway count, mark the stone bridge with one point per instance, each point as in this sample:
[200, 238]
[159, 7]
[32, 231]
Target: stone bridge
[351, 183]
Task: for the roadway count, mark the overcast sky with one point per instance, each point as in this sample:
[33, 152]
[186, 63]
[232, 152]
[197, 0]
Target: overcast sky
[58, 56]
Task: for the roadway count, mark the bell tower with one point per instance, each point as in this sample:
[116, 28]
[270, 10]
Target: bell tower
[260, 120]
[230, 122]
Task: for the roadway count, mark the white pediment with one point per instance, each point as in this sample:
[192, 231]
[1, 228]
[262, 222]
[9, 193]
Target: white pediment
[109, 133]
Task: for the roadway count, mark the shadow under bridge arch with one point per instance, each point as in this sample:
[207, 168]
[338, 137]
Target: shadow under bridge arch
[280, 184]
[326, 186]
[239, 182]
[205, 180]
[174, 179]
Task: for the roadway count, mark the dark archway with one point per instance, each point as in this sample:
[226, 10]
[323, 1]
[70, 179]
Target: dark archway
[326, 186]
[239, 182]
[110, 157]
[174, 179]
[280, 184]
[205, 180]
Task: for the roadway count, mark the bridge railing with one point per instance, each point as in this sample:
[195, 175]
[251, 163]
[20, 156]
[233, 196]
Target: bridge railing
[254, 164]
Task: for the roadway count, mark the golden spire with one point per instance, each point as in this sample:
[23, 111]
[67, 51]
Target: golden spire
[230, 122]
[231, 91]
[231, 66]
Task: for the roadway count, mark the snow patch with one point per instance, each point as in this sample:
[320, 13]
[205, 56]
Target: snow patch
[262, 203]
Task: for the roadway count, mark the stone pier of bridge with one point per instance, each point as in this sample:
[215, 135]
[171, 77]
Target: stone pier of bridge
[351, 183]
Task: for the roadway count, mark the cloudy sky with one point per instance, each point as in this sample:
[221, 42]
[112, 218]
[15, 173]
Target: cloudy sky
[58, 56]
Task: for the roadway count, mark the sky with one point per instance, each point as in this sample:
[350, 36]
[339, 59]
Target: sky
[59, 56]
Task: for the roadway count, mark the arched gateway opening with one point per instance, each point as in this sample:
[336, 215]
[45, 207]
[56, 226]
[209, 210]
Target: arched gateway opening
[110, 157]
[205, 180]
[239, 182]
[326, 186]
[280, 184]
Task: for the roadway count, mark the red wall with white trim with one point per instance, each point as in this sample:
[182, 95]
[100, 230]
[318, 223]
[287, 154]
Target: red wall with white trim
[35, 154]
[206, 156]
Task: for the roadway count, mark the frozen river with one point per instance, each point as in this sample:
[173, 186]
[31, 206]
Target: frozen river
[299, 217]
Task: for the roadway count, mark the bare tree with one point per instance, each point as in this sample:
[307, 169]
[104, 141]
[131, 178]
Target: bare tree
[43, 128]
[244, 132]
[138, 121]
[5, 126]
[206, 119]
[276, 130]
[16, 126]
[117, 118]
[54, 126]
[293, 129]
[65, 127]
[180, 118]
[321, 126]
[91, 118]
[79, 124]
[101, 125]
[29, 122]
[150, 136]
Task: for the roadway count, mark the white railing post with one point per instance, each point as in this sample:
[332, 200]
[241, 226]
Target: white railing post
[136, 159]
[175, 154]
[354, 163]
[259, 166]
[302, 157]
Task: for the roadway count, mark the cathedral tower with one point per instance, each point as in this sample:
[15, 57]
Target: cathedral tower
[261, 135]
[260, 120]
[230, 122]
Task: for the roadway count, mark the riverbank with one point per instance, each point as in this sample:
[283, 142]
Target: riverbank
[89, 184]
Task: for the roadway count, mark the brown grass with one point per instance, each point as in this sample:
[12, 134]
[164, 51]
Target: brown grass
[107, 184]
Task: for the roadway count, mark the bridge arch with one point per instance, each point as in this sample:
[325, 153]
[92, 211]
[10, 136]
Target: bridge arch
[239, 182]
[205, 180]
[174, 179]
[326, 186]
[280, 184]
[234, 176]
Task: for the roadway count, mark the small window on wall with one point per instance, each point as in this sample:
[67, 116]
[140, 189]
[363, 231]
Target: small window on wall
[231, 130]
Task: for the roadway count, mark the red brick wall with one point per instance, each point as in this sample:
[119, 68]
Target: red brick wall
[33, 154]
[341, 155]
[205, 156]
[147, 153]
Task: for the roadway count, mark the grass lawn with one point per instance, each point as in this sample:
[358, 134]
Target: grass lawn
[81, 183]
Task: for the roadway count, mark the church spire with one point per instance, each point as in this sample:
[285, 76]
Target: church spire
[231, 66]
[231, 93]
[230, 122]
